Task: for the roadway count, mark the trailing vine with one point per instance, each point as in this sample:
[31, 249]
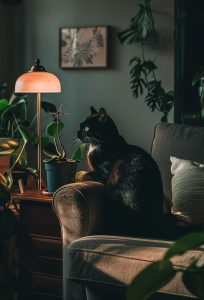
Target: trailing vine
[142, 72]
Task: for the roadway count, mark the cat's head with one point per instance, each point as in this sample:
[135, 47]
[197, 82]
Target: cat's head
[97, 128]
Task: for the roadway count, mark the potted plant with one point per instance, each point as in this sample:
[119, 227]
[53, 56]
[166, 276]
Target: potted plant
[143, 71]
[8, 219]
[60, 169]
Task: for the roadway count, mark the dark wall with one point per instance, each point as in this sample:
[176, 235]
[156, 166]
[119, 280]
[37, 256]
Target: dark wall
[11, 41]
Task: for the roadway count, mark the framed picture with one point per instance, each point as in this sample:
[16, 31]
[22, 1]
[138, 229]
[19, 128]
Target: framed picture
[83, 47]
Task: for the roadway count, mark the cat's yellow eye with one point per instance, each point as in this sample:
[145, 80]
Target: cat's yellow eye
[86, 128]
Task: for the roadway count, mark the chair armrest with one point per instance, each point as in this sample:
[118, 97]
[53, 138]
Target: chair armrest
[79, 207]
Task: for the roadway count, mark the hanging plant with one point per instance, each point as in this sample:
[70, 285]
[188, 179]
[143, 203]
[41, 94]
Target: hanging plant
[142, 72]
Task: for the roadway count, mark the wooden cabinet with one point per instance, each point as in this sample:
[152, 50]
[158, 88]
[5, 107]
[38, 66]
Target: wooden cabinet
[40, 248]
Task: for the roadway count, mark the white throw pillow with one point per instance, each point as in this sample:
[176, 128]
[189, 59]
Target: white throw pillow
[188, 190]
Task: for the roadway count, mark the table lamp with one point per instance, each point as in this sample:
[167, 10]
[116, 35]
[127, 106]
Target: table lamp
[38, 81]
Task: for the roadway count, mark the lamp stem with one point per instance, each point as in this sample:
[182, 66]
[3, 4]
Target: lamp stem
[39, 139]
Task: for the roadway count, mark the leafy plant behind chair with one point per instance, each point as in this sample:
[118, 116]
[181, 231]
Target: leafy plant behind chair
[142, 72]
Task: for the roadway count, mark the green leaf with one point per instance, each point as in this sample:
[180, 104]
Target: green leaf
[80, 152]
[52, 128]
[164, 118]
[31, 171]
[3, 104]
[50, 150]
[185, 243]
[141, 27]
[198, 76]
[46, 140]
[151, 279]
[22, 162]
[193, 279]
[9, 179]
[26, 134]
[48, 107]
[5, 194]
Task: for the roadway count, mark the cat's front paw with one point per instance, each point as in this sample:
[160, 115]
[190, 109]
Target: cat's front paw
[82, 176]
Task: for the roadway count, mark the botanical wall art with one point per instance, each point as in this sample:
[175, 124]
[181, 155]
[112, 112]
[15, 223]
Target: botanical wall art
[83, 47]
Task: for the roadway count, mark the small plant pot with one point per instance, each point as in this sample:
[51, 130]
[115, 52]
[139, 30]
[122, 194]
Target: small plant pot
[60, 173]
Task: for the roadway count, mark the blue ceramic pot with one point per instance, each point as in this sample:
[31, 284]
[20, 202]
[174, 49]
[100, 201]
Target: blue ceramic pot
[60, 173]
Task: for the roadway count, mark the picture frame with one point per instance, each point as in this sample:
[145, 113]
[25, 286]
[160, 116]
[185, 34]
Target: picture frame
[83, 47]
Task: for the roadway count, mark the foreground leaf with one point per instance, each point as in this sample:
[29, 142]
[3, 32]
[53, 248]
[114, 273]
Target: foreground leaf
[187, 242]
[151, 279]
[193, 279]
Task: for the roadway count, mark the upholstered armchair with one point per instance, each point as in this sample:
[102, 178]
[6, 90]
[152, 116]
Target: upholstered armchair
[100, 256]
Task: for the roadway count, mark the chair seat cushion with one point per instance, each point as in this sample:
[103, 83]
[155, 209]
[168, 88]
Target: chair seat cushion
[115, 261]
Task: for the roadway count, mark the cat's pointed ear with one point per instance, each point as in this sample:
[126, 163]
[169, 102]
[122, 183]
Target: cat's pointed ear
[102, 115]
[93, 111]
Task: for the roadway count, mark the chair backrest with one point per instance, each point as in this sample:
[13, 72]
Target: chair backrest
[182, 141]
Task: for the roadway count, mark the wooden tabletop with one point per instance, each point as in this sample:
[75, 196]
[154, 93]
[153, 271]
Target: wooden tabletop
[36, 195]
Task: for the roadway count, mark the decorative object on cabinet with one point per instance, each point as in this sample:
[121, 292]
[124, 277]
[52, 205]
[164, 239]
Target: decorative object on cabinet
[84, 47]
[143, 75]
[38, 80]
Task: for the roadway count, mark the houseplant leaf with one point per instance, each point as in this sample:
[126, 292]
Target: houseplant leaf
[22, 162]
[48, 107]
[198, 76]
[141, 27]
[193, 279]
[185, 243]
[26, 134]
[150, 280]
[80, 152]
[50, 150]
[52, 128]
[9, 179]
[3, 104]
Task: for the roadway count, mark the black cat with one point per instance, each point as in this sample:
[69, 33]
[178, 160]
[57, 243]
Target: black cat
[130, 175]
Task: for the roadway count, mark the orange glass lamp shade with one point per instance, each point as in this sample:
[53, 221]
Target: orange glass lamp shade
[38, 81]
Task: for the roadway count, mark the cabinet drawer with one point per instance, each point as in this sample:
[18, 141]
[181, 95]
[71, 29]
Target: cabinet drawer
[49, 247]
[46, 285]
[39, 218]
[46, 265]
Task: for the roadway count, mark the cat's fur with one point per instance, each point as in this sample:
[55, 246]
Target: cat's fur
[130, 175]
